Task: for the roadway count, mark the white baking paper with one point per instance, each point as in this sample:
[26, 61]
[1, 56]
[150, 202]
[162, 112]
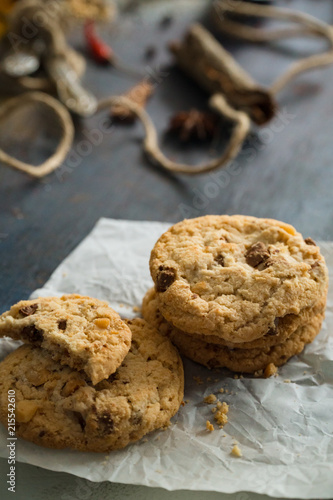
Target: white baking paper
[283, 429]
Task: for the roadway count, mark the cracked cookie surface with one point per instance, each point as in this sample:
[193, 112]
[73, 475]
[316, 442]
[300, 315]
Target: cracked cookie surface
[58, 407]
[81, 332]
[232, 276]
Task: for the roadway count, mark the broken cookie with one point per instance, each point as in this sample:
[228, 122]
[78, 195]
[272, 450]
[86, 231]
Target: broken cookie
[81, 332]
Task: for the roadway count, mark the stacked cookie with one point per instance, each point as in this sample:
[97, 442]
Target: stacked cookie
[237, 292]
[84, 378]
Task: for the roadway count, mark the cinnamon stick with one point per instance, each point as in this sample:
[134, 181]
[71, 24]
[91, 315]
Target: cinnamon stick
[203, 58]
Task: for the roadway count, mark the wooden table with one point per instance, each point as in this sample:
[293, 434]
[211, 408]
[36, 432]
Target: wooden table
[284, 170]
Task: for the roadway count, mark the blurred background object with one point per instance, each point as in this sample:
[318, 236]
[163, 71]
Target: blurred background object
[5, 8]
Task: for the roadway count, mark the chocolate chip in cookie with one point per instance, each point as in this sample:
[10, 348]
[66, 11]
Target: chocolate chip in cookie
[105, 423]
[29, 310]
[257, 254]
[62, 324]
[220, 260]
[165, 278]
[32, 334]
[310, 241]
[136, 418]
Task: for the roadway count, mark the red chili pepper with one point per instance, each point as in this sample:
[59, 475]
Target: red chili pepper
[100, 51]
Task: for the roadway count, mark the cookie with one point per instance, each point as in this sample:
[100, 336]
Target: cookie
[233, 276]
[284, 327]
[246, 360]
[58, 407]
[81, 332]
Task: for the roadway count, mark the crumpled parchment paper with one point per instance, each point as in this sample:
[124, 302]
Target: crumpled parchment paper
[284, 429]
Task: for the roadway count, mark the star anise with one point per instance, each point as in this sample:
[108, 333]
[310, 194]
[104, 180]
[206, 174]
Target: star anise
[193, 124]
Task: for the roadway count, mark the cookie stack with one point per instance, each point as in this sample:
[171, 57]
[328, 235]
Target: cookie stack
[85, 379]
[236, 291]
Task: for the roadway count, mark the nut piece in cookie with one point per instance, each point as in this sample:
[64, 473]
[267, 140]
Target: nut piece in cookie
[58, 407]
[81, 332]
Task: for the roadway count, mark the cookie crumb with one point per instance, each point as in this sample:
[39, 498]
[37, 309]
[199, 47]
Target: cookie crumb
[270, 370]
[236, 451]
[182, 403]
[209, 426]
[236, 376]
[258, 373]
[210, 399]
[220, 413]
[287, 381]
[221, 390]
[136, 309]
[198, 380]
[186, 401]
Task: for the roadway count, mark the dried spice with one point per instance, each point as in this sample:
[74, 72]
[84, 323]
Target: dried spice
[139, 94]
[102, 53]
[194, 124]
[217, 72]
